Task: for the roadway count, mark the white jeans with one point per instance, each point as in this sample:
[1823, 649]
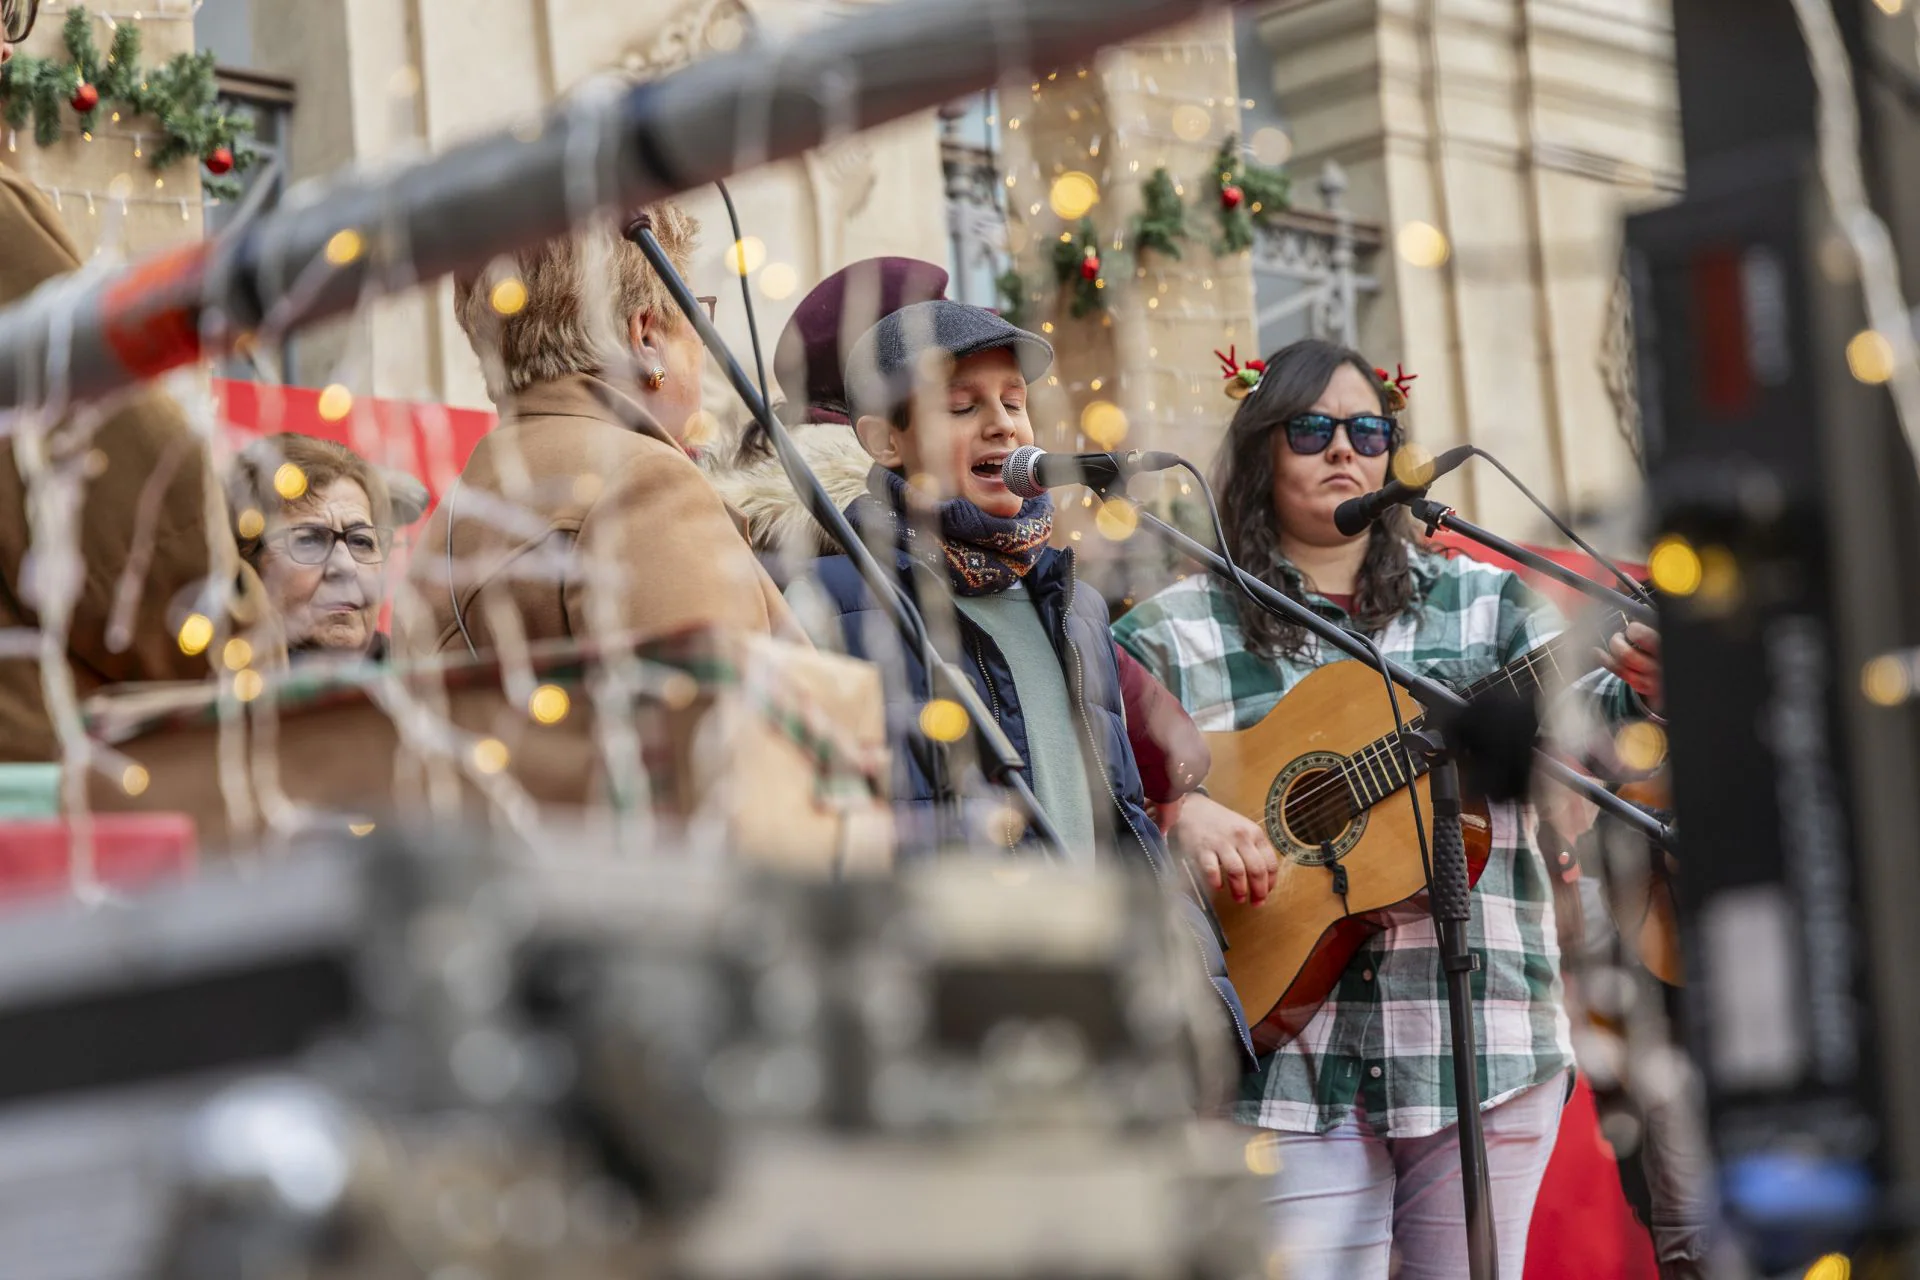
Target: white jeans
[1349, 1205]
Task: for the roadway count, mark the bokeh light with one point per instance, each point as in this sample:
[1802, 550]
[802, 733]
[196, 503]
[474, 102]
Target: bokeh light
[196, 633]
[1073, 194]
[1870, 357]
[944, 720]
[1423, 244]
[490, 755]
[509, 297]
[549, 704]
[745, 255]
[1674, 566]
[336, 402]
[1104, 423]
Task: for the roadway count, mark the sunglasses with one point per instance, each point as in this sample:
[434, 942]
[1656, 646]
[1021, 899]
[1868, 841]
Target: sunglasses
[16, 18]
[1370, 434]
[312, 544]
[711, 303]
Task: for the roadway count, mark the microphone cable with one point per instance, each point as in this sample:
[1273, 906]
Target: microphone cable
[1634, 589]
[746, 291]
[1240, 577]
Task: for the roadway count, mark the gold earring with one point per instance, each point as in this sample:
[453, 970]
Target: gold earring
[656, 379]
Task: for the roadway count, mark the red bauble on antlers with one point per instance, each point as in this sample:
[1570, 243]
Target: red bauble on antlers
[1241, 378]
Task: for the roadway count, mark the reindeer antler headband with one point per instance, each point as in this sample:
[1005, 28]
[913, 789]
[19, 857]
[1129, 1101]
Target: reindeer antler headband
[1243, 376]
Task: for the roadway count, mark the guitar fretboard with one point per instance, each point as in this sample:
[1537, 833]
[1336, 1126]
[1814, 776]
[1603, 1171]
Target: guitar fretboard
[1382, 767]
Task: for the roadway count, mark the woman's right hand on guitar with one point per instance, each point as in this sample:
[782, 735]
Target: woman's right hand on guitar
[1226, 848]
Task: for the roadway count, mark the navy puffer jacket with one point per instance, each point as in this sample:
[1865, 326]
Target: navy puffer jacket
[1076, 620]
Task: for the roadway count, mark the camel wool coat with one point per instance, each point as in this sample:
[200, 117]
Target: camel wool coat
[582, 519]
[142, 523]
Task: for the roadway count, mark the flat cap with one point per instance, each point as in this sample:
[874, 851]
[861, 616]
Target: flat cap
[883, 362]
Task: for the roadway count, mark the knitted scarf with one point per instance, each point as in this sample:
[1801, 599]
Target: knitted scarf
[982, 553]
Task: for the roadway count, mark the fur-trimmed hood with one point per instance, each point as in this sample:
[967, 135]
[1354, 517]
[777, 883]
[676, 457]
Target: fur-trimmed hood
[777, 521]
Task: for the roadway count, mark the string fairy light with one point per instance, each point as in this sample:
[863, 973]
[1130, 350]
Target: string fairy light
[59, 194]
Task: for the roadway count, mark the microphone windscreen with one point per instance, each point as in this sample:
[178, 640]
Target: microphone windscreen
[1353, 516]
[1018, 472]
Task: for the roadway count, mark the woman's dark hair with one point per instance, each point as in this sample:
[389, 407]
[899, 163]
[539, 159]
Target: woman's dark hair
[1295, 377]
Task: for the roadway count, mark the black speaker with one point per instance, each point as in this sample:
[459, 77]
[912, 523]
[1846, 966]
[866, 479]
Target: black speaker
[1786, 503]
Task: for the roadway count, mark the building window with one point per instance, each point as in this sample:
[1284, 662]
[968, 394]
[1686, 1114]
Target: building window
[976, 216]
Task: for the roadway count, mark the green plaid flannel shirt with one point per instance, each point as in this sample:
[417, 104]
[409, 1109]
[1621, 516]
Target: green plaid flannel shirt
[1381, 1041]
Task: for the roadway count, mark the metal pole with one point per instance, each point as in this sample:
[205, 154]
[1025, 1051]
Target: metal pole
[1449, 901]
[609, 149]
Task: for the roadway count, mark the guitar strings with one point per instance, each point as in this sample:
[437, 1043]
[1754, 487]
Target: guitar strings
[1333, 796]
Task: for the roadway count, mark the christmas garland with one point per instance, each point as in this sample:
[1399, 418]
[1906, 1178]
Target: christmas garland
[1013, 296]
[1247, 195]
[181, 97]
[1161, 223]
[1246, 192]
[1076, 265]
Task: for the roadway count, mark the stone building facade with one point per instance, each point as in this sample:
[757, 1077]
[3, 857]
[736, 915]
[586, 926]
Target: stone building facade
[1514, 135]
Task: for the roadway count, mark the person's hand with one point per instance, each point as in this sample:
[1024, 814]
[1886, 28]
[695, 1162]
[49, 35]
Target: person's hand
[1227, 848]
[1165, 814]
[1634, 656]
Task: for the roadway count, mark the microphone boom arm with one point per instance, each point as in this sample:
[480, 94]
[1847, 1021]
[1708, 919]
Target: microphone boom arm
[1437, 515]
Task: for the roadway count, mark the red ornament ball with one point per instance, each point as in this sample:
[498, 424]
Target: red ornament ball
[221, 161]
[85, 98]
[1090, 267]
[1231, 196]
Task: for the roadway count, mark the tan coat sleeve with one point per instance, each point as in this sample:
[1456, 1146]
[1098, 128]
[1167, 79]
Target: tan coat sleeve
[663, 548]
[145, 510]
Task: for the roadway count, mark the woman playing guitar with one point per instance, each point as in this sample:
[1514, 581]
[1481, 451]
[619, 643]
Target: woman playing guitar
[1360, 1103]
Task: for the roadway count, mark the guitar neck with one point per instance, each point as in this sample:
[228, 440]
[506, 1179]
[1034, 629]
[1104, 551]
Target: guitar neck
[1382, 767]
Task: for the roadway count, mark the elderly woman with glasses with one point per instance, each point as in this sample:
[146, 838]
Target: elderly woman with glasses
[315, 519]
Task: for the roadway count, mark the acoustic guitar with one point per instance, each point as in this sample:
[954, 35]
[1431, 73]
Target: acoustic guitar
[1323, 773]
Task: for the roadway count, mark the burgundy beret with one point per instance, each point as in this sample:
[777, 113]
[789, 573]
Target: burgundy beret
[808, 359]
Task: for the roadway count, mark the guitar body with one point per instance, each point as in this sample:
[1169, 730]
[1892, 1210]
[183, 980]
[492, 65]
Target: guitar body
[1286, 956]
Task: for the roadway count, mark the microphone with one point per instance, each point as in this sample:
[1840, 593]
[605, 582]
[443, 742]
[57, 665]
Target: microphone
[1355, 514]
[1030, 470]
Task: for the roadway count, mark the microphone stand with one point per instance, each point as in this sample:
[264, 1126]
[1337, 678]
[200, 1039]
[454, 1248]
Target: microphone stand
[998, 756]
[1437, 515]
[1449, 897]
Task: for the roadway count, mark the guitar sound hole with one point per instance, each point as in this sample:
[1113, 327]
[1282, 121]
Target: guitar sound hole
[1316, 808]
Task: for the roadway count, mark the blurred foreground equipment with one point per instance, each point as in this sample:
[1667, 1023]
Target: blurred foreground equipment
[401, 1058]
[1789, 521]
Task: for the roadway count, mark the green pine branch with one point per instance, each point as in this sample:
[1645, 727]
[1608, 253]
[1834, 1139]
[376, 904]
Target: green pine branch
[1013, 297]
[1068, 254]
[1162, 222]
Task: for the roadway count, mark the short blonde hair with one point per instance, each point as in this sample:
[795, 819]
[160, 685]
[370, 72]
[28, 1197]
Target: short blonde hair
[551, 335]
[253, 489]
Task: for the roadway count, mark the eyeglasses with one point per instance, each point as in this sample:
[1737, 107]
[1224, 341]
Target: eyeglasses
[16, 18]
[711, 303]
[312, 544]
[1370, 434]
